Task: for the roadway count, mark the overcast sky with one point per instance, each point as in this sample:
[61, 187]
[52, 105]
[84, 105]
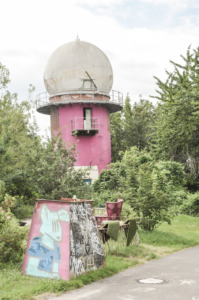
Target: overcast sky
[138, 36]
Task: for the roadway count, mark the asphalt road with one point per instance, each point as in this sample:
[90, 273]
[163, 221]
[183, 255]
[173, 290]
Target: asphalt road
[174, 277]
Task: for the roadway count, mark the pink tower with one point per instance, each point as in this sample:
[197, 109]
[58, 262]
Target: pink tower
[78, 79]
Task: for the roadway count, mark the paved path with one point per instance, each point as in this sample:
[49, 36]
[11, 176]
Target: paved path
[179, 270]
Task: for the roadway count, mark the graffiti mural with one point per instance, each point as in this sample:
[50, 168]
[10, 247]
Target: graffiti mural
[44, 253]
[86, 252]
[63, 240]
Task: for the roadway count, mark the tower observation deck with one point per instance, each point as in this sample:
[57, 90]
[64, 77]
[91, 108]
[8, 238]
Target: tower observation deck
[113, 102]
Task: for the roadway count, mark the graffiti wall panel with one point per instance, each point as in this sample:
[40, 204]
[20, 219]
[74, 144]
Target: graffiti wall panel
[47, 253]
[63, 240]
[86, 252]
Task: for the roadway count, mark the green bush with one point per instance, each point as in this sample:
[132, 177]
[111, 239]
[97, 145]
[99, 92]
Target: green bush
[13, 238]
[153, 201]
[127, 211]
[2, 190]
[191, 205]
[180, 197]
[23, 211]
[108, 180]
[54, 175]
[100, 199]
[149, 186]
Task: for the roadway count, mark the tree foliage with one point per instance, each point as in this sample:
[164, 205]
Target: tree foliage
[30, 167]
[132, 127]
[54, 176]
[4, 76]
[146, 184]
[18, 141]
[117, 138]
[177, 125]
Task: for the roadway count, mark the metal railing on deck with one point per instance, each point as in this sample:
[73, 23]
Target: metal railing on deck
[80, 123]
[42, 99]
[116, 97]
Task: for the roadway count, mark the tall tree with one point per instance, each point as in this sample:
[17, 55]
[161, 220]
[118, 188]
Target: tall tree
[18, 140]
[117, 136]
[129, 134]
[132, 127]
[143, 114]
[177, 135]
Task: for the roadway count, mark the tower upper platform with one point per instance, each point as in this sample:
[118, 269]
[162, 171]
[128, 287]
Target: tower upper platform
[78, 68]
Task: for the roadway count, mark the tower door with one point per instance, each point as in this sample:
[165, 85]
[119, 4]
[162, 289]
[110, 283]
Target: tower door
[87, 119]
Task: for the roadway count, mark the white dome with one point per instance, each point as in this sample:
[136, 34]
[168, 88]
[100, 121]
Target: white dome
[78, 67]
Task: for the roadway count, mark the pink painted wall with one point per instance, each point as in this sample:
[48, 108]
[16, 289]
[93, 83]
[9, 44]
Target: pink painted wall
[56, 212]
[92, 150]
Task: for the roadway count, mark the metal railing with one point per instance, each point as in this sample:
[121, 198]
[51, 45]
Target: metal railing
[80, 123]
[42, 99]
[116, 97]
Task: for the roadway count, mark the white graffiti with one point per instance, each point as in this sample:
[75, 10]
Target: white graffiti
[96, 244]
[86, 249]
[77, 265]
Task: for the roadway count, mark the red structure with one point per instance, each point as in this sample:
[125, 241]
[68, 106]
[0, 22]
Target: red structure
[113, 212]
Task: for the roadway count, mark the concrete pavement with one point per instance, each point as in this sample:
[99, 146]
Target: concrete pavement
[179, 273]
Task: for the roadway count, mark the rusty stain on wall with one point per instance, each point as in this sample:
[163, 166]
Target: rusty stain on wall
[54, 119]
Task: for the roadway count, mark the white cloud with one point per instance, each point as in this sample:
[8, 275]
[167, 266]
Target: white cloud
[172, 3]
[99, 2]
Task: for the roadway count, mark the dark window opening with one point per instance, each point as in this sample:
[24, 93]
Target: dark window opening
[87, 181]
[87, 118]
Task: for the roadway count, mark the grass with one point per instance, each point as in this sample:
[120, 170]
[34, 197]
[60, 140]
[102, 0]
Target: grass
[182, 233]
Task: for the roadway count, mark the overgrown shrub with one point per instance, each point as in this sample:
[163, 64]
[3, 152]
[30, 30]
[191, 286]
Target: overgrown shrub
[21, 210]
[100, 199]
[109, 179]
[55, 176]
[13, 238]
[153, 200]
[127, 211]
[2, 190]
[147, 185]
[191, 205]
[6, 200]
[179, 199]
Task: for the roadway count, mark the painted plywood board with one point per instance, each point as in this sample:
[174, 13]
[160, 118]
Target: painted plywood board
[47, 253]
